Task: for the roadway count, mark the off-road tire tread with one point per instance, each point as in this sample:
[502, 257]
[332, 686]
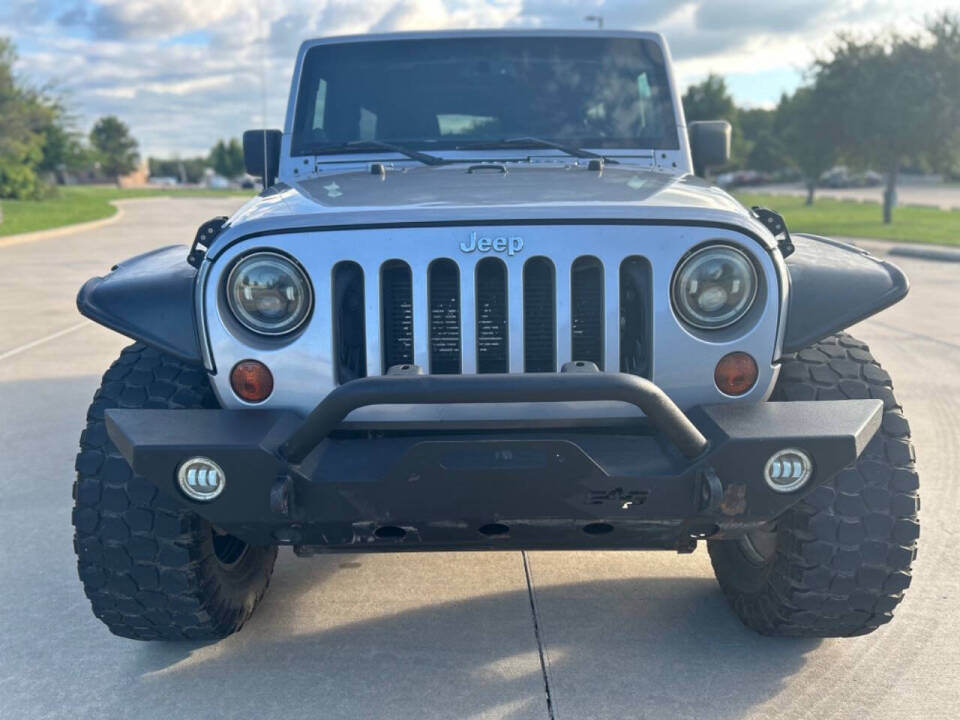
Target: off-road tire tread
[147, 564]
[844, 553]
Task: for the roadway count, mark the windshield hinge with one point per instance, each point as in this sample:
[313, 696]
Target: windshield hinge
[777, 227]
[206, 234]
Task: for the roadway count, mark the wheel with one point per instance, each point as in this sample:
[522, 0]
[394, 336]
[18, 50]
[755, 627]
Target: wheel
[837, 563]
[152, 570]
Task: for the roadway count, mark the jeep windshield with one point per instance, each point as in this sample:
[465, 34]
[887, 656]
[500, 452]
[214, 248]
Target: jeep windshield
[484, 93]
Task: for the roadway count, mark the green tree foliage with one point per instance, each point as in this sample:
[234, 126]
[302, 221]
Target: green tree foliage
[711, 100]
[115, 149]
[63, 148]
[25, 114]
[226, 158]
[754, 143]
[945, 30]
[893, 98]
[808, 135]
[763, 147]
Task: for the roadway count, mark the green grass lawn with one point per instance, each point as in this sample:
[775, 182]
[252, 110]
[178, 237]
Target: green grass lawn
[849, 218]
[82, 204]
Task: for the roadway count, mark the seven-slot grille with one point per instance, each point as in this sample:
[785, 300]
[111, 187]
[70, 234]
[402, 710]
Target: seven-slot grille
[488, 317]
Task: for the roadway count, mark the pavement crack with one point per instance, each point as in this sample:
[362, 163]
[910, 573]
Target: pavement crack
[538, 635]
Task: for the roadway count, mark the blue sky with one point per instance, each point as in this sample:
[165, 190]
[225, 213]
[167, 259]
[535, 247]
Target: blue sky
[183, 73]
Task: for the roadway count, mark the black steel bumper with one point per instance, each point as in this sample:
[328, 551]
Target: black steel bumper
[662, 482]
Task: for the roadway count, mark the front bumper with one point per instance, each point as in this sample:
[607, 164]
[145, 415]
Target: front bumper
[661, 483]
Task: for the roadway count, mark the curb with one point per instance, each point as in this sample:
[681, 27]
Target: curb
[936, 253]
[8, 240]
[923, 253]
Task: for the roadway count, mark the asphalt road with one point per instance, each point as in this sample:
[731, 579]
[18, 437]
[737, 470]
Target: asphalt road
[446, 635]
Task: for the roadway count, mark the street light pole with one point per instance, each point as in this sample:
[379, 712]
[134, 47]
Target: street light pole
[598, 19]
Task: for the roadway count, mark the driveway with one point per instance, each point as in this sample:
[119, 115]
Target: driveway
[443, 635]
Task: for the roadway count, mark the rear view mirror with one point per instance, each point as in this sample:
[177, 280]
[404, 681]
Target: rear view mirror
[261, 154]
[709, 143]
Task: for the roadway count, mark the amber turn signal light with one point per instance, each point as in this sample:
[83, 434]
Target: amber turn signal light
[736, 373]
[251, 380]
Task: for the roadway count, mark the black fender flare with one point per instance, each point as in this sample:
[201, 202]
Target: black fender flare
[834, 285]
[150, 298]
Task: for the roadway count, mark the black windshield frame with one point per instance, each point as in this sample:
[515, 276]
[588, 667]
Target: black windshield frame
[524, 83]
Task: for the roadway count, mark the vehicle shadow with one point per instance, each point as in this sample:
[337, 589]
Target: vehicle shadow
[355, 636]
[667, 647]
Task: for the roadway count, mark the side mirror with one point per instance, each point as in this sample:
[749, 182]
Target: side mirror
[709, 143]
[261, 154]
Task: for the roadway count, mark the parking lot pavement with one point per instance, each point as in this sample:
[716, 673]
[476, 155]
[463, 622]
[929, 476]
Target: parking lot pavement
[943, 196]
[443, 635]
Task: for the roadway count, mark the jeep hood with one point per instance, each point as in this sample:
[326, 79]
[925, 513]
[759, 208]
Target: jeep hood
[464, 194]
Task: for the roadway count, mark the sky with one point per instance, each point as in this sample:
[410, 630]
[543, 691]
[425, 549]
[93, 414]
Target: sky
[183, 73]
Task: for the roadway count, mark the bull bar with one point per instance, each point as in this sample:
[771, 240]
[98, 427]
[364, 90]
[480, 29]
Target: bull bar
[660, 482]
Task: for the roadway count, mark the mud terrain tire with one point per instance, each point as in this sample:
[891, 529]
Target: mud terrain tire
[152, 570]
[837, 563]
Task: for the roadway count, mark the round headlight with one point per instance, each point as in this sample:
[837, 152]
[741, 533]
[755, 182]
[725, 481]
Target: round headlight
[714, 287]
[269, 294]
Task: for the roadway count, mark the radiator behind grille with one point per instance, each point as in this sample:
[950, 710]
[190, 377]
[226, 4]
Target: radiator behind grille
[349, 337]
[586, 310]
[444, 299]
[396, 299]
[539, 316]
[522, 298]
[492, 326]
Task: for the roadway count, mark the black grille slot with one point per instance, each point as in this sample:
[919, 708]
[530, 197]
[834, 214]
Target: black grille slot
[635, 338]
[586, 310]
[492, 341]
[444, 288]
[396, 308]
[350, 347]
[539, 316]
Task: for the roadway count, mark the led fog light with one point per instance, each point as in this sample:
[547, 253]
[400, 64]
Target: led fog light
[201, 478]
[788, 470]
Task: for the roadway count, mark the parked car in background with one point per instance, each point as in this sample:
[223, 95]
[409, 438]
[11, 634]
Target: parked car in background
[841, 177]
[743, 178]
[163, 181]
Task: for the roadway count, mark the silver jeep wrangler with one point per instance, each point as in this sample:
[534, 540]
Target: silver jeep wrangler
[484, 302]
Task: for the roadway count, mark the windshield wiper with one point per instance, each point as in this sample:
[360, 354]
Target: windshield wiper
[568, 149]
[425, 158]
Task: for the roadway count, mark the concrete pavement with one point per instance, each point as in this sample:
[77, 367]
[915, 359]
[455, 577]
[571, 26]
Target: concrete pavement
[445, 635]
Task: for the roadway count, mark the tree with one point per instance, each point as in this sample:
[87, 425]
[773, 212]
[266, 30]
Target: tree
[115, 149]
[764, 149]
[893, 98]
[63, 148]
[808, 133]
[711, 100]
[945, 30]
[24, 113]
[227, 158]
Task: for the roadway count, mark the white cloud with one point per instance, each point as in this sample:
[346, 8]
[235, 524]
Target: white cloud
[183, 73]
